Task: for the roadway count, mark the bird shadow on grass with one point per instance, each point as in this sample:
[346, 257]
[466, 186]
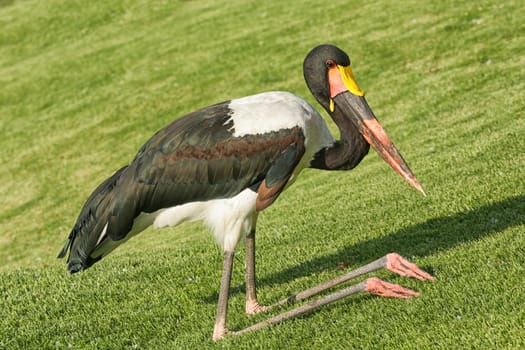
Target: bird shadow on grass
[420, 240]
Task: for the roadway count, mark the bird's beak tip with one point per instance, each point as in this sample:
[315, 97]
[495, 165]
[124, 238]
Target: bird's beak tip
[420, 189]
[411, 179]
[346, 93]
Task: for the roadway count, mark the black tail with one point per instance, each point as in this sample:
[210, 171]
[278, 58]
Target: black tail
[84, 243]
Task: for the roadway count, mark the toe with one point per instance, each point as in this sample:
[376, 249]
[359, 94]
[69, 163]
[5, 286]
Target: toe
[396, 263]
[386, 289]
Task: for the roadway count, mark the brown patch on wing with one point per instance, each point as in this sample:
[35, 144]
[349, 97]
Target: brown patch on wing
[243, 147]
[267, 195]
[189, 170]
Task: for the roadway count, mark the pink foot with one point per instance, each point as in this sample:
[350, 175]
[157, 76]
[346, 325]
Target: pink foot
[219, 332]
[384, 289]
[253, 307]
[396, 263]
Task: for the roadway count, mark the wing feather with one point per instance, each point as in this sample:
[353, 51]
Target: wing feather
[197, 158]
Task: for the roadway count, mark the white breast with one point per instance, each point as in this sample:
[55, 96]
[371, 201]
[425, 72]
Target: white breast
[230, 218]
[227, 218]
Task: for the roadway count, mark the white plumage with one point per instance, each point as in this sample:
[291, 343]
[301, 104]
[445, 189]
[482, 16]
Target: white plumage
[225, 163]
[228, 218]
[276, 110]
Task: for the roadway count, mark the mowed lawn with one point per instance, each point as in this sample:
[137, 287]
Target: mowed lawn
[83, 84]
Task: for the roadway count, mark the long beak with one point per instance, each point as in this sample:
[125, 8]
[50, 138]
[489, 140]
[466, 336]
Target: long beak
[347, 95]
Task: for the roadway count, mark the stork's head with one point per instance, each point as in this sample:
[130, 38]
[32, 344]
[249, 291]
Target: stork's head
[330, 79]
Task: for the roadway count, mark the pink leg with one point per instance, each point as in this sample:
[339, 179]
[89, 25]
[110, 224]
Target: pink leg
[222, 305]
[393, 262]
[252, 306]
[371, 285]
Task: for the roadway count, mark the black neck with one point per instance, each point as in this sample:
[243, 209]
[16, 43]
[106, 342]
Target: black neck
[346, 153]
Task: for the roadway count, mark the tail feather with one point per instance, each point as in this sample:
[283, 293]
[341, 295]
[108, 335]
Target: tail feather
[86, 237]
[64, 250]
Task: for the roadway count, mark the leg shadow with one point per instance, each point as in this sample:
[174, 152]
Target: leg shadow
[419, 240]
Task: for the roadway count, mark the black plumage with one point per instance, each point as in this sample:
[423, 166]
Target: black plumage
[195, 158]
[225, 163]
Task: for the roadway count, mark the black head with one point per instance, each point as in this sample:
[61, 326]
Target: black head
[315, 68]
[328, 75]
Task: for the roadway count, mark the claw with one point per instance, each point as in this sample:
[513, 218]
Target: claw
[396, 263]
[384, 289]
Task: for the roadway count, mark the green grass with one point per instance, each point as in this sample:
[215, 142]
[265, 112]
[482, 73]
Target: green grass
[83, 84]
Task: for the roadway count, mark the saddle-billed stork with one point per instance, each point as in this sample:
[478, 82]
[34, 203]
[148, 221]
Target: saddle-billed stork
[227, 162]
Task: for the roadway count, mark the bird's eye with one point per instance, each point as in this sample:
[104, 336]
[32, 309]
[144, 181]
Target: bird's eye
[330, 63]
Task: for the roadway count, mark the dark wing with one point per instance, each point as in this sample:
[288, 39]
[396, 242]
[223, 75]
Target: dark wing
[279, 173]
[198, 158]
[195, 158]
[90, 223]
